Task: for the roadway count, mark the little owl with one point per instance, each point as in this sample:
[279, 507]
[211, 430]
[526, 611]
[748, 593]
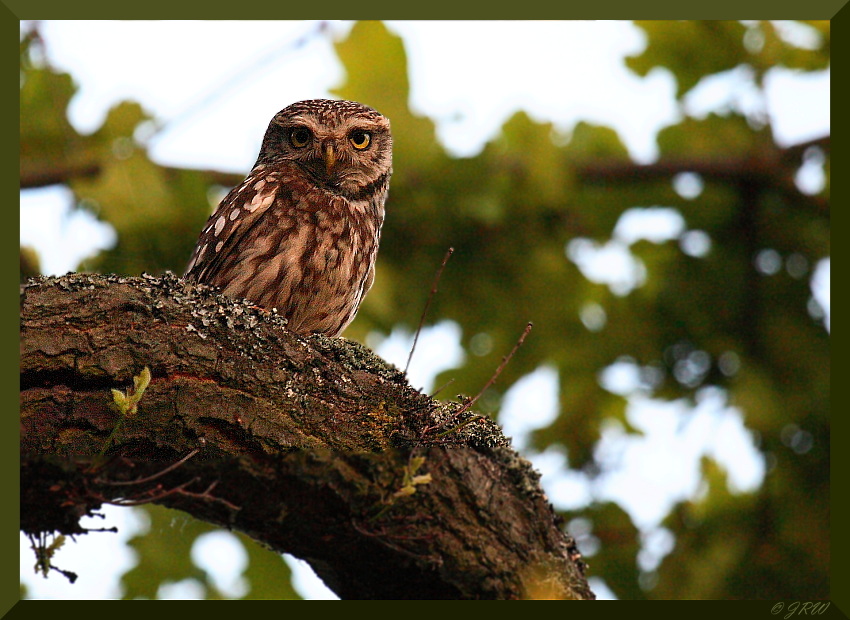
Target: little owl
[301, 232]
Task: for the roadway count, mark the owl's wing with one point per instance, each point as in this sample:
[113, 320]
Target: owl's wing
[370, 279]
[231, 224]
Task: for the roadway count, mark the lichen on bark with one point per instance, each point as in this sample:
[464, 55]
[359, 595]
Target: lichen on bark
[303, 443]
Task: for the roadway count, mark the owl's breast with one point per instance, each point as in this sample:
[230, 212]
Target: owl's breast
[323, 261]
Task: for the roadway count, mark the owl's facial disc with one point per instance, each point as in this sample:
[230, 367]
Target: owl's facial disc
[342, 159]
[343, 153]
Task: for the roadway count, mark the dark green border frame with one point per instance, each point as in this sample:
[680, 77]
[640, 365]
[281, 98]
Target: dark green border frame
[15, 10]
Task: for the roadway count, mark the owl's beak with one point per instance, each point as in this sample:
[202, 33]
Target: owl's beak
[330, 157]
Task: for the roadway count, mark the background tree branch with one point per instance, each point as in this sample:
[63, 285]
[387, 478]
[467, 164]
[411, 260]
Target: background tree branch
[312, 446]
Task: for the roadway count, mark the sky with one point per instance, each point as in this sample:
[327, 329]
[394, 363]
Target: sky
[213, 86]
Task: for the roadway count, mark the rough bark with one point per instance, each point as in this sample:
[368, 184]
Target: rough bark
[307, 445]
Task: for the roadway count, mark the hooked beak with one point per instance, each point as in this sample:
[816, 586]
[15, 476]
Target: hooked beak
[330, 157]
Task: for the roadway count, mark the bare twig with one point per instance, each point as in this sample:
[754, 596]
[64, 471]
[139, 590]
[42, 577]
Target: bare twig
[428, 305]
[499, 370]
[443, 387]
[171, 467]
[243, 74]
[158, 494]
[492, 380]
[153, 495]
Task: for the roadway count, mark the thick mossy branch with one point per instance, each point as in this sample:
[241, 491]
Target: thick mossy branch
[312, 446]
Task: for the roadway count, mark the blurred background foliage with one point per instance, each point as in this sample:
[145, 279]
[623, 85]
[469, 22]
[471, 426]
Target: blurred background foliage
[725, 302]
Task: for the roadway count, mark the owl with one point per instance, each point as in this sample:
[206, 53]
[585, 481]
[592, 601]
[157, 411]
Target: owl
[301, 233]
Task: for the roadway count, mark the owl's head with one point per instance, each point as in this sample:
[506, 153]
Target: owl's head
[343, 145]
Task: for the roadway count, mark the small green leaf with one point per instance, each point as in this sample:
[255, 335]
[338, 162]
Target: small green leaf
[120, 400]
[404, 491]
[140, 384]
[415, 464]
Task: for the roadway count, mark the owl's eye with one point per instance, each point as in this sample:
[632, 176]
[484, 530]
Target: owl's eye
[300, 136]
[360, 139]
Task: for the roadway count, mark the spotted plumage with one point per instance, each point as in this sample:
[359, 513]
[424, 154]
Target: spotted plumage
[301, 233]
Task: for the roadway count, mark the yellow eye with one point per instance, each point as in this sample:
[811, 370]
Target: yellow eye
[300, 136]
[360, 139]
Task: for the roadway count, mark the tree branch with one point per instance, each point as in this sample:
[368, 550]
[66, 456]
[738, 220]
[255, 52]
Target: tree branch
[774, 168]
[39, 173]
[312, 446]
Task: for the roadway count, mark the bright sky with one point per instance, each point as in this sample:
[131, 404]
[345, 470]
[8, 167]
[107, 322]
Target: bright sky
[215, 85]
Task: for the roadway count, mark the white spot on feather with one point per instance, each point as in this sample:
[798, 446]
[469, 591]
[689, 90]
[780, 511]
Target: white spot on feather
[260, 201]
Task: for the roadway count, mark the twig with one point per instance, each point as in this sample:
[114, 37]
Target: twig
[154, 497]
[492, 380]
[206, 496]
[240, 76]
[444, 386]
[428, 305]
[153, 476]
[384, 538]
[499, 370]
[158, 494]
